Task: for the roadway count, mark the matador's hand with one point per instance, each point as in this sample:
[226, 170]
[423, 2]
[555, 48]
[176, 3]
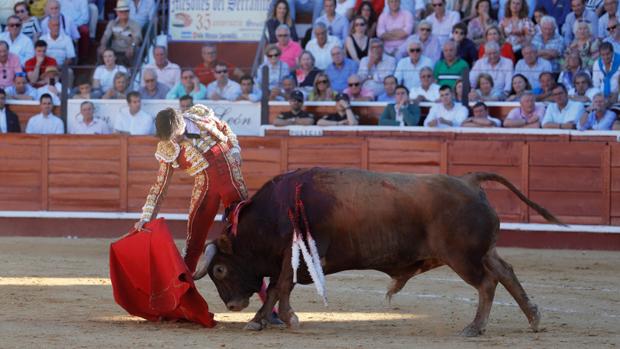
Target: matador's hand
[139, 226]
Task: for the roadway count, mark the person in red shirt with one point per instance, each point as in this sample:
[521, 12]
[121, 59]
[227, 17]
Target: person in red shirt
[35, 66]
[205, 71]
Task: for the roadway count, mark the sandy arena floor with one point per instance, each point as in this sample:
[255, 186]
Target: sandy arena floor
[55, 293]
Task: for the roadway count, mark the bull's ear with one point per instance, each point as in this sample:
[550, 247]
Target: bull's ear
[224, 244]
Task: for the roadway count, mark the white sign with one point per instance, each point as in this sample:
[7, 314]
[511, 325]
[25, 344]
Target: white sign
[217, 20]
[242, 117]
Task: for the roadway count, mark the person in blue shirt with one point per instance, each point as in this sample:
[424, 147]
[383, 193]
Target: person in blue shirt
[340, 69]
[599, 118]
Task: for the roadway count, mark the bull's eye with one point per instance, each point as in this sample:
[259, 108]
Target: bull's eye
[220, 271]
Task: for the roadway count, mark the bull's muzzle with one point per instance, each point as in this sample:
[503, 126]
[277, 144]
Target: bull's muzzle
[238, 305]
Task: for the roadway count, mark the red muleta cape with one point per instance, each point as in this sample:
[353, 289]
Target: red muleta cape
[150, 279]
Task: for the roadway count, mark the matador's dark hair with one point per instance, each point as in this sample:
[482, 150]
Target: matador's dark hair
[166, 122]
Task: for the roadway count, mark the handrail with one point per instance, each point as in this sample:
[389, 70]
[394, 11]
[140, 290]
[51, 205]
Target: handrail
[150, 36]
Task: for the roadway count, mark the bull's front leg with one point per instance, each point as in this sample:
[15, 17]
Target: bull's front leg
[264, 315]
[285, 286]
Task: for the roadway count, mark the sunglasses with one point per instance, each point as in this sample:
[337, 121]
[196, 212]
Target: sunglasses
[360, 24]
[321, 82]
[20, 11]
[613, 27]
[273, 55]
[418, 50]
[438, 5]
[426, 76]
[282, 35]
[221, 71]
[153, 80]
[14, 25]
[425, 29]
[458, 32]
[352, 84]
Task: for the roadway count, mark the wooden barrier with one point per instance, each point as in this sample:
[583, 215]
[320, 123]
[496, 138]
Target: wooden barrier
[577, 178]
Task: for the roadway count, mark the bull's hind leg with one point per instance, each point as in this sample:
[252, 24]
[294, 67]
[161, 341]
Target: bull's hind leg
[504, 273]
[475, 274]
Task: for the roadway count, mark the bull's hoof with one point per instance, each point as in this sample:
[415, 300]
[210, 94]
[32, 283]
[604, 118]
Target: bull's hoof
[293, 322]
[253, 326]
[472, 331]
[535, 321]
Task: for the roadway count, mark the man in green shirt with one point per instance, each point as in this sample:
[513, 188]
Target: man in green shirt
[450, 68]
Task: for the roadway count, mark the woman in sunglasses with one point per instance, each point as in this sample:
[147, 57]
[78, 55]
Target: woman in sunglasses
[31, 27]
[356, 43]
[322, 90]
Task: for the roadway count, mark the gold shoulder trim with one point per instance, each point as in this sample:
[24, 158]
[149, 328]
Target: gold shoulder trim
[167, 151]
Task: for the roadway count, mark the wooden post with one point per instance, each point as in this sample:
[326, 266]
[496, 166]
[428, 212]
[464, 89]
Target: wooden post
[283, 154]
[124, 173]
[525, 181]
[606, 183]
[44, 173]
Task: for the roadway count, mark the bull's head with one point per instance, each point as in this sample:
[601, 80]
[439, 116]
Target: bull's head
[235, 279]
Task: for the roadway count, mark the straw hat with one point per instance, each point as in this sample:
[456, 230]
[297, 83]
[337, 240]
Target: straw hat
[122, 5]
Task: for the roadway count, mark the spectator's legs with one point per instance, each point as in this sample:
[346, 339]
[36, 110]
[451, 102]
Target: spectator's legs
[93, 11]
[83, 42]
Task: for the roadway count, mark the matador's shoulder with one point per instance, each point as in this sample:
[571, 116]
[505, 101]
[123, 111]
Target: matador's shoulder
[167, 151]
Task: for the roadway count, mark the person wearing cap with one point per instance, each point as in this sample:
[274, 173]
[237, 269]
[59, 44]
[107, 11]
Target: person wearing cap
[9, 65]
[21, 89]
[122, 34]
[52, 85]
[36, 66]
[401, 112]
[296, 116]
[343, 116]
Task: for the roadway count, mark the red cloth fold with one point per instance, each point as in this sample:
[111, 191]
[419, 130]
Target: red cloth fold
[150, 279]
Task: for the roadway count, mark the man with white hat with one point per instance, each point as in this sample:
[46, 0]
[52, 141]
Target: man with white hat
[122, 34]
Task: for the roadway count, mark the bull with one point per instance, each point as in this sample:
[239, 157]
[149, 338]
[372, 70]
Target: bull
[399, 224]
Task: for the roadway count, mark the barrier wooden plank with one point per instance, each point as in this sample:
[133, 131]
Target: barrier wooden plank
[566, 154]
[569, 179]
[485, 152]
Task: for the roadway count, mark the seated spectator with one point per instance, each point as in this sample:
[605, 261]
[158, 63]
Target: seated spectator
[278, 70]
[605, 71]
[401, 112]
[343, 116]
[31, 27]
[494, 34]
[248, 92]
[132, 120]
[564, 113]
[517, 25]
[21, 89]
[613, 30]
[583, 91]
[222, 88]
[446, 113]
[19, 44]
[450, 68]
[281, 14]
[122, 35]
[356, 91]
[84, 15]
[407, 70]
[479, 24]
[520, 85]
[340, 69]
[584, 44]
[168, 73]
[549, 43]
[53, 9]
[142, 11]
[9, 122]
[442, 20]
[152, 89]
[290, 50]
[579, 14]
[431, 46]
[338, 24]
[458, 90]
[185, 102]
[296, 116]
[306, 73]
[205, 71]
[389, 89]
[528, 115]
[611, 11]
[104, 74]
[312, 8]
[189, 85]
[321, 91]
[481, 117]
[59, 46]
[598, 118]
[483, 89]
[376, 67]
[394, 26]
[345, 8]
[530, 66]
[498, 67]
[119, 88]
[572, 66]
[428, 91]
[465, 48]
[545, 92]
[9, 65]
[45, 122]
[281, 92]
[357, 43]
[36, 66]
[369, 10]
[52, 86]
[84, 90]
[87, 124]
[321, 46]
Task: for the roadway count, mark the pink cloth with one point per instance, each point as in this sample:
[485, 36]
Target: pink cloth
[403, 20]
[8, 70]
[290, 53]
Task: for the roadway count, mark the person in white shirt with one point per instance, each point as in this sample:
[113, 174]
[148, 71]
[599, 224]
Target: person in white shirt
[500, 68]
[564, 113]
[66, 24]
[168, 73]
[141, 11]
[59, 45]
[52, 86]
[446, 113]
[428, 91]
[132, 120]
[19, 44]
[320, 46]
[86, 123]
[375, 67]
[223, 88]
[481, 117]
[45, 122]
[442, 20]
[103, 78]
[408, 69]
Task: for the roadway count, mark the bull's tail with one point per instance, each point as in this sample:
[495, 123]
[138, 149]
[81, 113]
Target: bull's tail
[478, 177]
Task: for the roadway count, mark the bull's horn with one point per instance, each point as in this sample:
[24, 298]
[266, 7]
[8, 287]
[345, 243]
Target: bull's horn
[202, 269]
